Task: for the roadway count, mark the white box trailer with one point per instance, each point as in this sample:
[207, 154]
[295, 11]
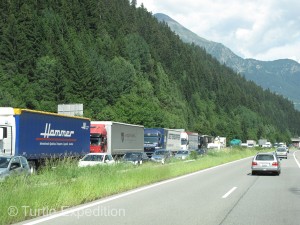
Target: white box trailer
[120, 138]
[251, 143]
[172, 140]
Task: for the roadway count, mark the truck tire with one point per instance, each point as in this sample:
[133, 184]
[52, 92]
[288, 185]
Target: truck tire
[33, 167]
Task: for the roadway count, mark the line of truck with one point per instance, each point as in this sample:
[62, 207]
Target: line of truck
[39, 135]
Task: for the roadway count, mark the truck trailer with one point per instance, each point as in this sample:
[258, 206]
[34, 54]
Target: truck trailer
[38, 135]
[204, 140]
[251, 143]
[116, 138]
[219, 142]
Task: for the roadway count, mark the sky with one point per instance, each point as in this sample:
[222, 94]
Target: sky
[265, 30]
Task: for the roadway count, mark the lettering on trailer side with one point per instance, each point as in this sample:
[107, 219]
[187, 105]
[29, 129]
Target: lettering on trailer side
[127, 137]
[55, 133]
[85, 127]
[174, 136]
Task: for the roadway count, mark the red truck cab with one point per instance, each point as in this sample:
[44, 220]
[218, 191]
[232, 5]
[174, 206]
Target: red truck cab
[98, 138]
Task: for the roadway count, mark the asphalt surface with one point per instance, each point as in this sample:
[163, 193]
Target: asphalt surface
[227, 195]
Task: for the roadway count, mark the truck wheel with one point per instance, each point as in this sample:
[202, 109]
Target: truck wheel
[33, 167]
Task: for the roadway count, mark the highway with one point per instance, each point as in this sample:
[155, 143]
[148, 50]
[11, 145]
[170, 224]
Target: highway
[223, 195]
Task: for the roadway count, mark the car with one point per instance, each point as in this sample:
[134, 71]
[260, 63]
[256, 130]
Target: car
[13, 165]
[201, 151]
[135, 157]
[266, 163]
[93, 159]
[287, 149]
[267, 145]
[282, 152]
[182, 154]
[161, 156]
[285, 146]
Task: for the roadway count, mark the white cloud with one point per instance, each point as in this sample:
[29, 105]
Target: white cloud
[259, 29]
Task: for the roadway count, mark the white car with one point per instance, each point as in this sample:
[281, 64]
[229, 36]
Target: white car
[282, 152]
[267, 145]
[93, 159]
[266, 163]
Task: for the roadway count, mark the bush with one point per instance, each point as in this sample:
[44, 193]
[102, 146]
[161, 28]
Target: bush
[194, 155]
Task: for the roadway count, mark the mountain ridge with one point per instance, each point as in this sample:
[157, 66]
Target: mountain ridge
[281, 76]
[126, 66]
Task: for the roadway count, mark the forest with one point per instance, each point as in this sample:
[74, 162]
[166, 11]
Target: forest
[117, 60]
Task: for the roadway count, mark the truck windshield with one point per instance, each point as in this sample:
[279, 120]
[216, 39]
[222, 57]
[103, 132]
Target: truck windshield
[95, 140]
[150, 140]
[184, 141]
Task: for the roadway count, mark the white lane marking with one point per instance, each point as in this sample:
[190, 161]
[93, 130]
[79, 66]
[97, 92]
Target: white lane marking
[229, 192]
[100, 202]
[296, 158]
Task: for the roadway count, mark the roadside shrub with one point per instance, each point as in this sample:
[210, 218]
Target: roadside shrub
[194, 155]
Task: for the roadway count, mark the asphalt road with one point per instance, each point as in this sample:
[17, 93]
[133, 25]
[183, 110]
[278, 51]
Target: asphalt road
[227, 195]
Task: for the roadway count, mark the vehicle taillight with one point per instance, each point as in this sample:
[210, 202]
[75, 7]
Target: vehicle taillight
[275, 164]
[254, 163]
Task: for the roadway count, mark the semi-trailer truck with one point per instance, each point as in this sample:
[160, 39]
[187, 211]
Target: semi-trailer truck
[154, 139]
[189, 140]
[38, 135]
[161, 138]
[204, 140]
[116, 138]
[251, 143]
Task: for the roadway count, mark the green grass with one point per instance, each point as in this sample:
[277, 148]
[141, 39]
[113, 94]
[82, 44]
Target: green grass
[63, 184]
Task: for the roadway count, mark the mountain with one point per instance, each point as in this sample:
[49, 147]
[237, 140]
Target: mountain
[281, 76]
[124, 65]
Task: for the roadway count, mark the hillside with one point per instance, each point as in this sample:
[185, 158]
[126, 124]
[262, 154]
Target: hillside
[281, 76]
[123, 65]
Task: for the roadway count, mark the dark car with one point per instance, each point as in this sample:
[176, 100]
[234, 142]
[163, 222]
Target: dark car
[161, 156]
[135, 157]
[201, 151]
[13, 165]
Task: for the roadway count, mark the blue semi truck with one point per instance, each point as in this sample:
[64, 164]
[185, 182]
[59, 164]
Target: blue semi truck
[161, 138]
[40, 135]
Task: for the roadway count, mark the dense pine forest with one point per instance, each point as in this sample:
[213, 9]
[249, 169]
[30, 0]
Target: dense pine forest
[123, 65]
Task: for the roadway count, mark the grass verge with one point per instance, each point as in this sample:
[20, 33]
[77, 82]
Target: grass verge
[66, 185]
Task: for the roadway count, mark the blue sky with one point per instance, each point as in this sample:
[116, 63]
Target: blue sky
[259, 29]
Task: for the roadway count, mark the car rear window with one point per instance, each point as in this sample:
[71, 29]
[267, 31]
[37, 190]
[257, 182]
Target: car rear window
[93, 158]
[281, 150]
[265, 157]
[4, 162]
